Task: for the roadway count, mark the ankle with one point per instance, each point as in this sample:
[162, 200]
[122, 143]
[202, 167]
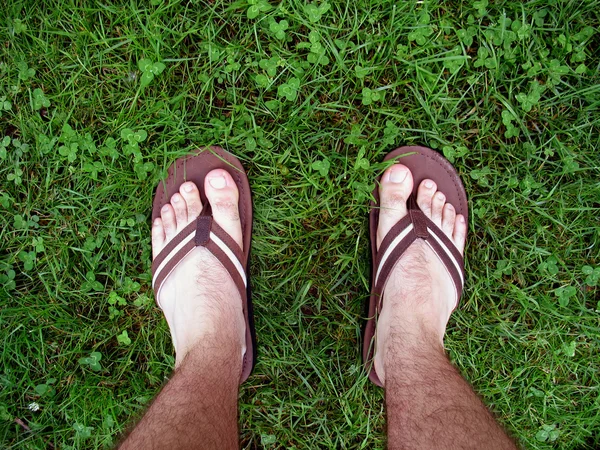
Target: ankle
[214, 350]
[408, 342]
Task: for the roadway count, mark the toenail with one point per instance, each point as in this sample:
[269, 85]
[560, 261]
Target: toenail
[461, 219]
[440, 196]
[449, 206]
[165, 209]
[218, 182]
[398, 175]
[188, 187]
[428, 184]
[175, 198]
[157, 222]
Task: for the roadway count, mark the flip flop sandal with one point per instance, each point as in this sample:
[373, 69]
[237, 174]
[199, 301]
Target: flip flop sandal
[205, 232]
[423, 163]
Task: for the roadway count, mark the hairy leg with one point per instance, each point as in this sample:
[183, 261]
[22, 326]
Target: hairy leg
[198, 406]
[429, 405]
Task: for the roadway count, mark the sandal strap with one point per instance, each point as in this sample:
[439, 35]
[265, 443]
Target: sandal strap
[413, 226]
[205, 232]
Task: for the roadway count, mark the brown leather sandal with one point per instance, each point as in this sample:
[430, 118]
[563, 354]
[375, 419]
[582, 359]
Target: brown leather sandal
[423, 163]
[205, 232]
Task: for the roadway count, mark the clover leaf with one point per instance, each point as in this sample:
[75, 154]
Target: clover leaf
[390, 132]
[317, 51]
[20, 147]
[16, 176]
[593, 275]
[28, 259]
[278, 28]
[556, 71]
[256, 7]
[422, 31]
[262, 80]
[134, 136]
[142, 169]
[569, 349]
[507, 119]
[369, 96]
[90, 283]
[69, 150]
[130, 286]
[361, 161]
[355, 137]
[549, 266]
[7, 279]
[289, 90]
[361, 191]
[39, 99]
[93, 168]
[466, 35]
[46, 388]
[547, 433]
[4, 143]
[455, 60]
[93, 361]
[483, 59]
[315, 12]
[124, 338]
[321, 166]
[564, 293]
[18, 26]
[481, 6]
[5, 105]
[361, 72]
[149, 70]
[109, 148]
[531, 99]
[451, 152]
[25, 72]
[81, 431]
[270, 65]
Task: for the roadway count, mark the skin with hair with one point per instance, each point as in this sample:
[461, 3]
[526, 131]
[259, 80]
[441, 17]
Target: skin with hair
[198, 406]
[429, 405]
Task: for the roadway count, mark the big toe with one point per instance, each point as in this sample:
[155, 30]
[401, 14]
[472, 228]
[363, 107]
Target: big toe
[394, 190]
[223, 196]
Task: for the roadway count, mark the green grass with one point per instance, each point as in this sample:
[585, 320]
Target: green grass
[510, 91]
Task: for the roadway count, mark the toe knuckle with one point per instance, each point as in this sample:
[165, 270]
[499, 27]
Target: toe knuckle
[228, 208]
[393, 199]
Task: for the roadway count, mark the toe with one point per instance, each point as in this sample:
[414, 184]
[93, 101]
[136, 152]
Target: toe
[158, 237]
[191, 195]
[223, 195]
[180, 208]
[448, 218]
[425, 193]
[437, 205]
[460, 232]
[394, 189]
[169, 221]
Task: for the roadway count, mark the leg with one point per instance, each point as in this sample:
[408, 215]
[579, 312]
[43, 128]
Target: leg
[198, 406]
[429, 405]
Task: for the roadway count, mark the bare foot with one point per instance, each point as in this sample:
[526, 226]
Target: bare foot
[420, 295]
[199, 299]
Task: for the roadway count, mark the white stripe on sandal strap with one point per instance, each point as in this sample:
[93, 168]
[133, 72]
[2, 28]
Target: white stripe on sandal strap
[403, 235]
[391, 248]
[173, 253]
